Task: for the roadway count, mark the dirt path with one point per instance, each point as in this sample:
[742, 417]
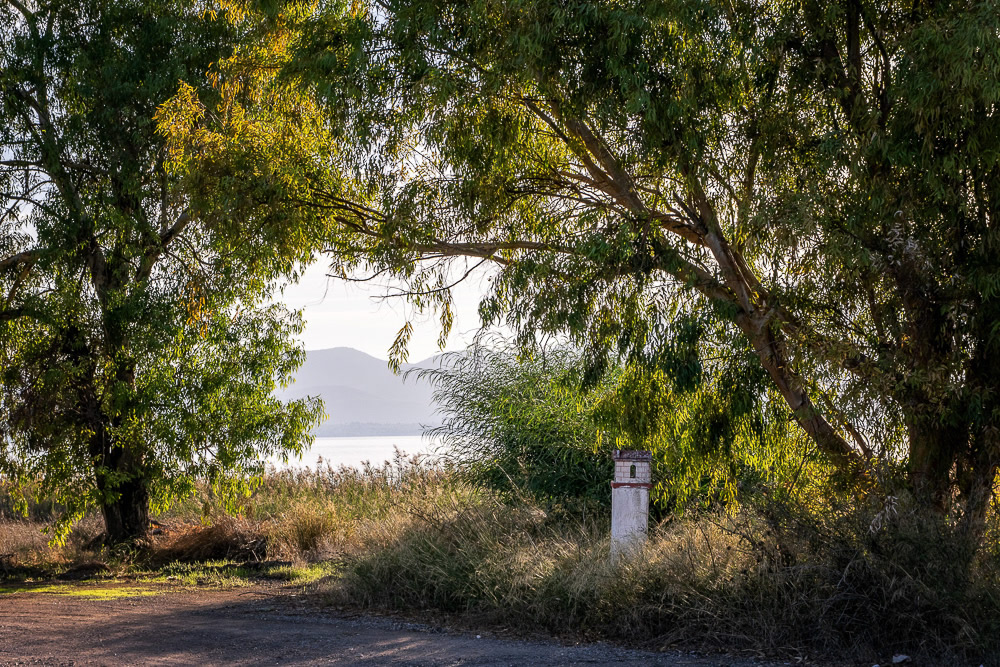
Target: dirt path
[256, 626]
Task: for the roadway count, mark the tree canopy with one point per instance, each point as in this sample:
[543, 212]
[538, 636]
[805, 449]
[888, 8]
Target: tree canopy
[819, 179]
[138, 343]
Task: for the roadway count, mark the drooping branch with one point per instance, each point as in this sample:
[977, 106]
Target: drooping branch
[758, 316]
[20, 260]
[622, 187]
[739, 284]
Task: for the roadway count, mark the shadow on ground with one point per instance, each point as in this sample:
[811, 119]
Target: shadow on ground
[258, 626]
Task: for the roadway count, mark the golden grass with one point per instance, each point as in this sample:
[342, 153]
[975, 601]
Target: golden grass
[24, 546]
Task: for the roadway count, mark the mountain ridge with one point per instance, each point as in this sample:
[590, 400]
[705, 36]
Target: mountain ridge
[362, 396]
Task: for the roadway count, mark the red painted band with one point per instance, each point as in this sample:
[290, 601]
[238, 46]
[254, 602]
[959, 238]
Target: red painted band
[630, 485]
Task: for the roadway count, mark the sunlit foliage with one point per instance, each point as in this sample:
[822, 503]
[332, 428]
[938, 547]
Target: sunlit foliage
[138, 347]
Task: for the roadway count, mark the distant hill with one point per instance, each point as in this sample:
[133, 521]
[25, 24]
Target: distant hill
[362, 396]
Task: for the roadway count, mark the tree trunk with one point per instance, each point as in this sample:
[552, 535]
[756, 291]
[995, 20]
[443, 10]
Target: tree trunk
[124, 477]
[975, 505]
[932, 454]
[124, 489]
[953, 479]
[976, 478]
[126, 516]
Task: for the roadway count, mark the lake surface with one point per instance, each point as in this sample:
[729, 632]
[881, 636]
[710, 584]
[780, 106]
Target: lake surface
[353, 451]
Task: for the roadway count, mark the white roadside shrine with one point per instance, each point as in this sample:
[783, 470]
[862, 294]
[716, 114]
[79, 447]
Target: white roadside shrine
[629, 501]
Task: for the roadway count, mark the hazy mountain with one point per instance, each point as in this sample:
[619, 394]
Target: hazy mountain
[362, 396]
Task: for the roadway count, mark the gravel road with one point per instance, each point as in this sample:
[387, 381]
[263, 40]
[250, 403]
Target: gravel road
[260, 626]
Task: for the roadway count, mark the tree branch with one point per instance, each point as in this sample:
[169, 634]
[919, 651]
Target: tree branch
[20, 260]
[153, 252]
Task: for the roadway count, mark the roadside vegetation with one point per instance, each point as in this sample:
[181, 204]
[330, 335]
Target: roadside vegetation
[414, 538]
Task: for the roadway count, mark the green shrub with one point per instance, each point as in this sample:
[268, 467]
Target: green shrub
[544, 427]
[523, 425]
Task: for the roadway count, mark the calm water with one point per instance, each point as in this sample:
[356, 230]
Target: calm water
[352, 451]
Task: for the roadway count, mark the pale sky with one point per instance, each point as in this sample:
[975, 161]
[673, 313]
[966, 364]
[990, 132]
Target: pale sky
[340, 313]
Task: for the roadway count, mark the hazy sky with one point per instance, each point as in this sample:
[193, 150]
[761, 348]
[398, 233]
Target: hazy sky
[338, 313]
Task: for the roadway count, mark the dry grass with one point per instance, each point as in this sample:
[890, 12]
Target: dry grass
[224, 538]
[725, 582]
[406, 537]
[696, 583]
[25, 548]
[301, 515]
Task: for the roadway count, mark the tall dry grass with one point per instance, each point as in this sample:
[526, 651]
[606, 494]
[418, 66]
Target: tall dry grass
[24, 540]
[299, 515]
[778, 580]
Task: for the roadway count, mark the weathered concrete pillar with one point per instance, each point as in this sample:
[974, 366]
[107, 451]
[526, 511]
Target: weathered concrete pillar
[629, 500]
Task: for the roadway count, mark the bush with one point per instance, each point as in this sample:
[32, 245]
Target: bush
[523, 425]
[544, 428]
[225, 538]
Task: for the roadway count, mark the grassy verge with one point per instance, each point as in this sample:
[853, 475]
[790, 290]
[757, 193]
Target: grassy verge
[728, 583]
[407, 538]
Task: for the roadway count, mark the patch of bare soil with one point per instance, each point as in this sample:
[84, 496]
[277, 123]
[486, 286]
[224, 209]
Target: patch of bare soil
[158, 625]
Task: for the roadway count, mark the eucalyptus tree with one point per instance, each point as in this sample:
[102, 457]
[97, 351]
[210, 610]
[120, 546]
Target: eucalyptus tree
[819, 178]
[138, 344]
